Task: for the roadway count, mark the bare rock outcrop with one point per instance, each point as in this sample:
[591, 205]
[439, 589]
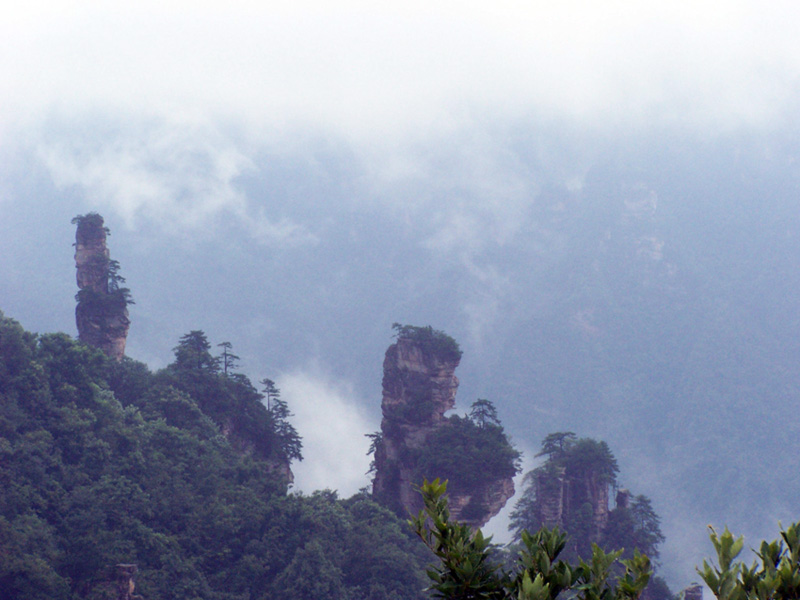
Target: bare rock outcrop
[419, 387]
[476, 508]
[101, 314]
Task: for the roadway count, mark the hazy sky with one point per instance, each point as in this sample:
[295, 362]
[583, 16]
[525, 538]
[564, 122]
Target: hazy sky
[190, 122]
[183, 89]
[154, 110]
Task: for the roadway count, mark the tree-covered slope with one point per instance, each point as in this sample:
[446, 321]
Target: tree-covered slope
[104, 463]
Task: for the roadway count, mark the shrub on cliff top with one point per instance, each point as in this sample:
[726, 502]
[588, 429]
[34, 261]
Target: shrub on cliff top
[90, 222]
[431, 340]
[469, 453]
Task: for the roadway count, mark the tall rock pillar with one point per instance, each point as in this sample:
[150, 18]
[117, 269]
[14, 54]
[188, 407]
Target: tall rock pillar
[102, 311]
[419, 387]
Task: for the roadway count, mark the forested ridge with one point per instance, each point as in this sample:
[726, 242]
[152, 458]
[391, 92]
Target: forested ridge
[185, 473]
[104, 462]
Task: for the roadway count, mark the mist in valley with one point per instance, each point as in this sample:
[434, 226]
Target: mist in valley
[601, 206]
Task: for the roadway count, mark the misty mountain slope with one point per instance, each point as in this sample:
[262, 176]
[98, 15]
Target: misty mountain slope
[640, 293]
[105, 463]
[669, 329]
[295, 181]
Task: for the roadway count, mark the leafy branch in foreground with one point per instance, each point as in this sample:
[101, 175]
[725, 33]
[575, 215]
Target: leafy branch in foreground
[466, 570]
[776, 578]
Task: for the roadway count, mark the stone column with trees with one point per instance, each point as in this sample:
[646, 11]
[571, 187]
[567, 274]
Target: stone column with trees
[101, 314]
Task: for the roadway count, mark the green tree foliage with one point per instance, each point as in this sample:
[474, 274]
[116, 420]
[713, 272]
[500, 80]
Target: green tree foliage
[591, 458]
[579, 457]
[557, 444]
[230, 399]
[228, 359]
[290, 444]
[483, 413]
[577, 475]
[471, 451]
[466, 570]
[89, 480]
[635, 526]
[193, 354]
[775, 576]
[310, 575]
[381, 557]
[467, 453]
[375, 446]
[431, 340]
[270, 391]
[90, 220]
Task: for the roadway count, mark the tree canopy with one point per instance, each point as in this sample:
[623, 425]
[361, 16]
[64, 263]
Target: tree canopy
[432, 340]
[571, 490]
[469, 451]
[104, 463]
[483, 413]
[777, 577]
[467, 570]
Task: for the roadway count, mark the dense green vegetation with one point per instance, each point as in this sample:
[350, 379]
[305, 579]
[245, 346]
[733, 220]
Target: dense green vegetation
[467, 569]
[470, 451]
[575, 480]
[104, 463]
[433, 341]
[231, 400]
[183, 472]
[777, 577]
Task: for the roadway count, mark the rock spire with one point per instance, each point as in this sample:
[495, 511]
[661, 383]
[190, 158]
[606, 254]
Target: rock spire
[101, 314]
[419, 386]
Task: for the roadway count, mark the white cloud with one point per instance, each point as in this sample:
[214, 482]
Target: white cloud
[408, 87]
[498, 526]
[177, 173]
[370, 70]
[333, 427]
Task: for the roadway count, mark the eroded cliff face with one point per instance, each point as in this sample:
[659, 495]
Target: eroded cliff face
[419, 386]
[559, 495]
[476, 508]
[102, 312]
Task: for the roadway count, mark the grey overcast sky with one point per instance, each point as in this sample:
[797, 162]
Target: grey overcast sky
[154, 110]
[384, 78]
[186, 93]
[283, 176]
